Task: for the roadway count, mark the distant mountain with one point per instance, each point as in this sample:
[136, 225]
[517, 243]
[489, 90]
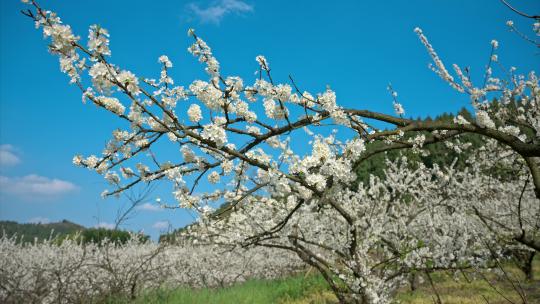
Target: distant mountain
[66, 230]
[28, 232]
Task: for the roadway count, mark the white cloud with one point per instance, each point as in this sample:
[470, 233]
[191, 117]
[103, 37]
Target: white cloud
[104, 225]
[161, 225]
[149, 207]
[218, 9]
[35, 187]
[8, 156]
[39, 220]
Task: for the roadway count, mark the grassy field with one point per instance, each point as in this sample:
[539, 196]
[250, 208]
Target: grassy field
[286, 290]
[312, 289]
[486, 288]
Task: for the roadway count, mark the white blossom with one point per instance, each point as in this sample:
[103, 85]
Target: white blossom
[194, 113]
[112, 104]
[483, 119]
[398, 109]
[215, 133]
[165, 61]
[213, 177]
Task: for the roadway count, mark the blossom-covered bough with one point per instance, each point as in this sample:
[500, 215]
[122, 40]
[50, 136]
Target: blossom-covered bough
[365, 239]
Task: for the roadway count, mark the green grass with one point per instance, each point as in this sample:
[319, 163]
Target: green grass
[477, 290]
[250, 292]
[312, 289]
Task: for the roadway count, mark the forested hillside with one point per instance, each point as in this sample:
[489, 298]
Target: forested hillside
[30, 231]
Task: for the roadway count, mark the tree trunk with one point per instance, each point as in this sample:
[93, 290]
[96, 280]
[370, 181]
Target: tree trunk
[524, 261]
[413, 281]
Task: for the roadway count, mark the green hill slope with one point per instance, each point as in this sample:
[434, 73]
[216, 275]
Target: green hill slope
[28, 231]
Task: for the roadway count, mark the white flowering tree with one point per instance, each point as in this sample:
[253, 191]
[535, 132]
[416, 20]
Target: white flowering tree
[365, 239]
[68, 271]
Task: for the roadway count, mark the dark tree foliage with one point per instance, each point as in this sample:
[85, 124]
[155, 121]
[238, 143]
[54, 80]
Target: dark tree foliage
[99, 235]
[437, 153]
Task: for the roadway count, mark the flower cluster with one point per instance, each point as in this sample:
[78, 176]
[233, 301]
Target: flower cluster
[98, 41]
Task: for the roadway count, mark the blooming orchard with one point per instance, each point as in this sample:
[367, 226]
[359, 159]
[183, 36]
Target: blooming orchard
[364, 239]
[70, 272]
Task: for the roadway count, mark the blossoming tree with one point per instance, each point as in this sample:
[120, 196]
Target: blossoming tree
[364, 239]
[67, 271]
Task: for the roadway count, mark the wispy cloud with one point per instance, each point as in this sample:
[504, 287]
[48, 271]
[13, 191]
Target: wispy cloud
[161, 225]
[217, 10]
[8, 156]
[39, 220]
[149, 207]
[104, 225]
[35, 187]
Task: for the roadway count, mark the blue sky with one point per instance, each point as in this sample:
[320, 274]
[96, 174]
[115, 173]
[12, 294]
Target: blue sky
[355, 47]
